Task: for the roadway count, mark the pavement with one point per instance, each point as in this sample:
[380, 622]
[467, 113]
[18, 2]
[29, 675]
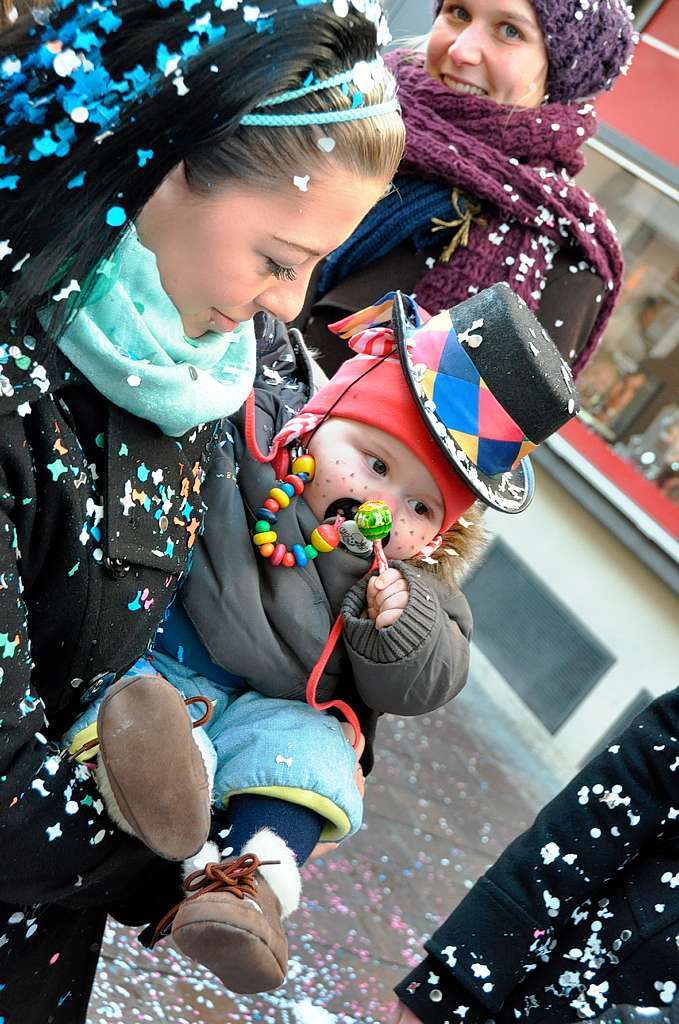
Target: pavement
[448, 792]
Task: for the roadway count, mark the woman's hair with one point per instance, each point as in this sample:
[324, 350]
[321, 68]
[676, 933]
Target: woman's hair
[176, 84]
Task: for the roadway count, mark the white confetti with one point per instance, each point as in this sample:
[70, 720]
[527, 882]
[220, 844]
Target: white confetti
[306, 1013]
[133, 380]
[549, 853]
[67, 290]
[325, 143]
[54, 831]
[472, 340]
[66, 62]
[302, 182]
[284, 760]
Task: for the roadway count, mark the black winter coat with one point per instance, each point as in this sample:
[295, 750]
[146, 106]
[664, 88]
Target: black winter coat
[98, 512]
[581, 911]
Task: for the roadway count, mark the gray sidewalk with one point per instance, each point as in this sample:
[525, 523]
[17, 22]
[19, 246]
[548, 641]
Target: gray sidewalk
[449, 791]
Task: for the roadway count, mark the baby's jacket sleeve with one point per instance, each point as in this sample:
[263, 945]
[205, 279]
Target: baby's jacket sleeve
[420, 662]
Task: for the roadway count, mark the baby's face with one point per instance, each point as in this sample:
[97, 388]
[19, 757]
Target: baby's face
[356, 463]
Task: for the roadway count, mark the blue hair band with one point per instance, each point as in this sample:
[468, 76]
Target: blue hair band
[316, 86]
[321, 117]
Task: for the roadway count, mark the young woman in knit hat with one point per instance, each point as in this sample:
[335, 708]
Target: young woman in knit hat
[497, 110]
[163, 177]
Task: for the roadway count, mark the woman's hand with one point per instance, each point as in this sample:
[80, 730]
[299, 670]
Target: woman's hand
[402, 1015]
[323, 849]
[387, 596]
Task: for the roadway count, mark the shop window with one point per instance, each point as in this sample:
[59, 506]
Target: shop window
[545, 653]
[630, 390]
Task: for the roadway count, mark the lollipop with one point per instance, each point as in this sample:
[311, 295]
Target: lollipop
[373, 520]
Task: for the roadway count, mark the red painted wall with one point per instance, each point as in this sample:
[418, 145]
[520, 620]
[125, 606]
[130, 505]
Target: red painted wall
[643, 105]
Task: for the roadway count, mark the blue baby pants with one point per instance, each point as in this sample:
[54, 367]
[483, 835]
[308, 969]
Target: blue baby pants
[262, 745]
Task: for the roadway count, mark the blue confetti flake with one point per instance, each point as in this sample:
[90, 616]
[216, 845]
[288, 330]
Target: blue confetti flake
[116, 217]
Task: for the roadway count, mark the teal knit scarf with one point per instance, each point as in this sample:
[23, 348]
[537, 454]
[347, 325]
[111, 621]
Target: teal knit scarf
[127, 339]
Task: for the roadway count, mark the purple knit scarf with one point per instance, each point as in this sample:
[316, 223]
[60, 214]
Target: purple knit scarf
[519, 164]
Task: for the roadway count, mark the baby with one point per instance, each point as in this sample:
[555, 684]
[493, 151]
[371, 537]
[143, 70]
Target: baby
[429, 416]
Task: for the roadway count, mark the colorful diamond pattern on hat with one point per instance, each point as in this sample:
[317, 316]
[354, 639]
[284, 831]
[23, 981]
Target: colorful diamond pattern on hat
[463, 403]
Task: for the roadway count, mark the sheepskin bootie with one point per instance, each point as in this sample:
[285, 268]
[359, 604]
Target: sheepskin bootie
[232, 923]
[151, 772]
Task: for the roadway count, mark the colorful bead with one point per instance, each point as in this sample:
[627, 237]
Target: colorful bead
[373, 519]
[305, 464]
[294, 481]
[325, 537]
[300, 557]
[269, 537]
[279, 495]
[266, 514]
[278, 552]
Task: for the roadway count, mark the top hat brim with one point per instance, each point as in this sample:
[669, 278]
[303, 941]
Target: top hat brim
[508, 492]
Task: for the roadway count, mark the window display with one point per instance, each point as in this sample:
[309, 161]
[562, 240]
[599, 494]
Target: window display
[630, 390]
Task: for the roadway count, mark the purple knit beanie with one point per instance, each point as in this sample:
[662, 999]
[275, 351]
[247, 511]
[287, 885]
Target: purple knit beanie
[589, 43]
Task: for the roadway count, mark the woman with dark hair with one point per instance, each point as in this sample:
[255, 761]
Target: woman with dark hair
[167, 171]
[497, 109]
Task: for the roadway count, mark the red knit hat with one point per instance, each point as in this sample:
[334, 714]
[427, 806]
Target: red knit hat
[374, 391]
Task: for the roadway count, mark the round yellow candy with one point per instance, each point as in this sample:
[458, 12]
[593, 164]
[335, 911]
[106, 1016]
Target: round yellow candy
[270, 537]
[280, 496]
[304, 464]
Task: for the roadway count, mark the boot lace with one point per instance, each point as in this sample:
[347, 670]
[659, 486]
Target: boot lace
[235, 876]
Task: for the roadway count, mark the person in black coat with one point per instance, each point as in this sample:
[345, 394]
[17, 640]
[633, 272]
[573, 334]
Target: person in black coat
[128, 286]
[581, 912]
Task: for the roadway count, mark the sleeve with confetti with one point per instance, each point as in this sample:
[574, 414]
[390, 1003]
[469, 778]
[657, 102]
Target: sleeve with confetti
[609, 819]
[422, 660]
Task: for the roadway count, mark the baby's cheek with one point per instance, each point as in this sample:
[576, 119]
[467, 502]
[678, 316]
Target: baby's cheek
[410, 535]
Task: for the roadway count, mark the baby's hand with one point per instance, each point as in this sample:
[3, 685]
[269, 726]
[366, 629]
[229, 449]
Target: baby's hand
[387, 596]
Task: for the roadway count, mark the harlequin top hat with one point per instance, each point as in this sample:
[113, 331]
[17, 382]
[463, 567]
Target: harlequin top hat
[484, 379]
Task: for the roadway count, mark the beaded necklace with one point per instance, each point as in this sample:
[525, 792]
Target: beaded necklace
[325, 537]
[373, 519]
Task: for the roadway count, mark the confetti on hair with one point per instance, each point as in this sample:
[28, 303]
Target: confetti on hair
[116, 217]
